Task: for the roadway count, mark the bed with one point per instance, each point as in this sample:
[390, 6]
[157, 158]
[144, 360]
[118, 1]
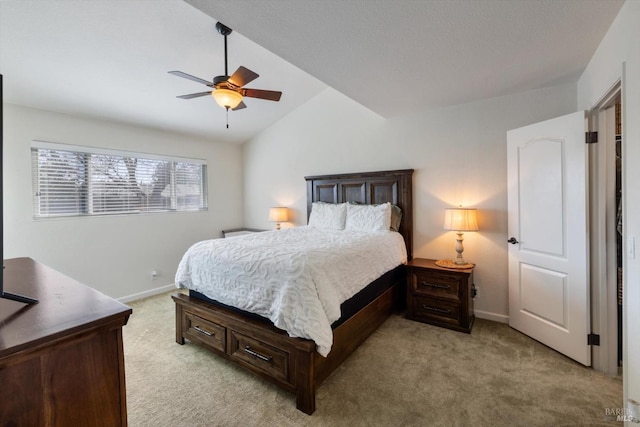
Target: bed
[295, 364]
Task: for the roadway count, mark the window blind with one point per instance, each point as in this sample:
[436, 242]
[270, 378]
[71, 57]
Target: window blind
[72, 181]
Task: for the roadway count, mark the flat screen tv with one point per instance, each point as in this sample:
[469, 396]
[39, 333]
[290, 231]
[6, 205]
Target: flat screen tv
[3, 294]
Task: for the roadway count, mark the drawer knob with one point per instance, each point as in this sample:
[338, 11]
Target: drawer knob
[202, 331]
[437, 310]
[434, 285]
[247, 349]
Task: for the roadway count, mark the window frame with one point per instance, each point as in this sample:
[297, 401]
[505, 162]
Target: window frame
[88, 193]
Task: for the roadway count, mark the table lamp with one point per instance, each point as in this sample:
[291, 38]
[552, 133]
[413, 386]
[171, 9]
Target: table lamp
[459, 220]
[278, 214]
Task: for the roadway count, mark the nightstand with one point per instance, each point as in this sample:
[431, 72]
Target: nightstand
[440, 296]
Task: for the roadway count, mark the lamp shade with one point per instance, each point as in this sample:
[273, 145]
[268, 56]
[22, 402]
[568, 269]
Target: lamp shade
[460, 219]
[227, 98]
[279, 214]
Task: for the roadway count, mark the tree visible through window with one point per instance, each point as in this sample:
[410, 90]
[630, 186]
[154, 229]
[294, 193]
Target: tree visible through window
[76, 181]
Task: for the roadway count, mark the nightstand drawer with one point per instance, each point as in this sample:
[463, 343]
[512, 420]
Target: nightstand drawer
[204, 331]
[433, 283]
[434, 309]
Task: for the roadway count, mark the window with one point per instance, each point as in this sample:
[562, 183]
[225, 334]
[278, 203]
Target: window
[72, 181]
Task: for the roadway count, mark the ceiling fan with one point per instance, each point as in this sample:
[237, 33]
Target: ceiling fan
[228, 91]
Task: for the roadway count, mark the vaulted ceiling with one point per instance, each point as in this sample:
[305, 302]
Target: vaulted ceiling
[110, 58]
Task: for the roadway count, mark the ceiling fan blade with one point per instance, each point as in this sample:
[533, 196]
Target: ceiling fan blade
[242, 76]
[190, 77]
[240, 106]
[270, 95]
[194, 95]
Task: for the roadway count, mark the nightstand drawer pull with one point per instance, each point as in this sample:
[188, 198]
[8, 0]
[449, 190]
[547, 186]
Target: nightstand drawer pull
[437, 310]
[247, 349]
[202, 331]
[434, 285]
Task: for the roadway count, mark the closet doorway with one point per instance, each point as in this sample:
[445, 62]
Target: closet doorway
[606, 231]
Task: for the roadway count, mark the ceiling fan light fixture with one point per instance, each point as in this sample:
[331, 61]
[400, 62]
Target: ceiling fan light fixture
[227, 98]
[228, 91]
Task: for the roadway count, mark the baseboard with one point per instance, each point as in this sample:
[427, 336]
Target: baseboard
[502, 318]
[145, 294]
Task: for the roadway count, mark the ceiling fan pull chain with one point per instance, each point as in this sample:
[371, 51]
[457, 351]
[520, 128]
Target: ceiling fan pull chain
[227, 108]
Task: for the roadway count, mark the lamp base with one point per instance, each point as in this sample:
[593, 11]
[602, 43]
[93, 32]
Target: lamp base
[451, 264]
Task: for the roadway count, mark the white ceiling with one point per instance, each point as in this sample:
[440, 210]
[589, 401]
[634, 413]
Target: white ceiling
[399, 56]
[109, 58]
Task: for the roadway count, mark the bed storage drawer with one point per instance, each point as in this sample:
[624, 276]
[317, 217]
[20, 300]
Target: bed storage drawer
[259, 355]
[205, 332]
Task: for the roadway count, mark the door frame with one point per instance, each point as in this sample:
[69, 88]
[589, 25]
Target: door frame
[602, 219]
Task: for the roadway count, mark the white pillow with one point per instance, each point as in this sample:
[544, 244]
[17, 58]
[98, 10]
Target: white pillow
[328, 215]
[368, 217]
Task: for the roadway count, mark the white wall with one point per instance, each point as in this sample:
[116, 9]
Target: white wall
[621, 45]
[459, 154]
[113, 254]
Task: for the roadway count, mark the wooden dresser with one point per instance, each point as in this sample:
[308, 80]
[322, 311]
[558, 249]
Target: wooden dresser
[61, 360]
[440, 296]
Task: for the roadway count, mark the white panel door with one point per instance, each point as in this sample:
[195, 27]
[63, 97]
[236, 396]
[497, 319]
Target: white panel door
[548, 254]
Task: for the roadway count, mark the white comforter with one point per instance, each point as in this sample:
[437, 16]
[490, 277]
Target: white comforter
[296, 277]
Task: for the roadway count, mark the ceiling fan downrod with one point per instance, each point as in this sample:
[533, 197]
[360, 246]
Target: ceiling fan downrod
[225, 31]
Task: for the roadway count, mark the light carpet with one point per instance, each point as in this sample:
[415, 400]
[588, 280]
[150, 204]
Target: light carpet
[406, 374]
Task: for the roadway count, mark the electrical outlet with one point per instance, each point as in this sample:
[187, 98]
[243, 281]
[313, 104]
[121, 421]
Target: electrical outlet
[475, 291]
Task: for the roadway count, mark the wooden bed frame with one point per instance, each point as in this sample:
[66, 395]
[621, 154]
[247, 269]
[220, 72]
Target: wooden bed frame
[293, 363]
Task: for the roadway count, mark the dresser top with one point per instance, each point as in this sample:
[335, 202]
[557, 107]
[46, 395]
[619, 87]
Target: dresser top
[65, 307]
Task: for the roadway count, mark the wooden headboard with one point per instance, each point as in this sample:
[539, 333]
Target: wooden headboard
[367, 188]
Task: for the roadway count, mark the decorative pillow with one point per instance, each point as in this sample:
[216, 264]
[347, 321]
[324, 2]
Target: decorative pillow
[328, 215]
[368, 217]
[396, 217]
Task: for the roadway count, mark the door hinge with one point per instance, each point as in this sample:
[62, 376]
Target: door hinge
[593, 339]
[591, 137]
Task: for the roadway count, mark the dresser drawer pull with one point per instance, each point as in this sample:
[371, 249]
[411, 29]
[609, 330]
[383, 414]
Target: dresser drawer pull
[202, 331]
[437, 310]
[247, 349]
[433, 285]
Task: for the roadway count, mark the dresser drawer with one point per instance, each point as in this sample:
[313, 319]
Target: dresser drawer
[436, 284]
[432, 309]
[261, 356]
[205, 332]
